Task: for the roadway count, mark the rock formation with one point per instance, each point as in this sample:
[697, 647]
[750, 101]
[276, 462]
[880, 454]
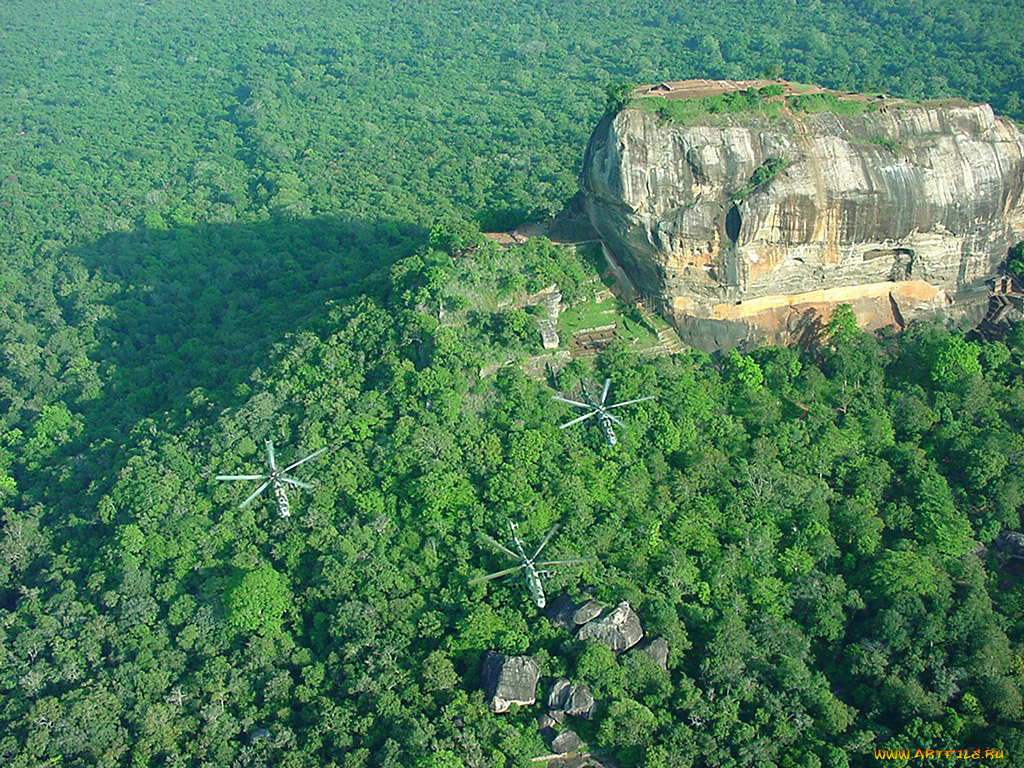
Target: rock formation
[508, 680]
[567, 614]
[580, 702]
[656, 650]
[560, 612]
[558, 694]
[902, 212]
[589, 611]
[571, 699]
[546, 727]
[1012, 543]
[619, 630]
[565, 742]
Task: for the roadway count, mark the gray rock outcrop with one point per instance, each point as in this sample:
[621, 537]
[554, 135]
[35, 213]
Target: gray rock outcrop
[902, 212]
[656, 650]
[589, 611]
[546, 727]
[559, 694]
[572, 699]
[565, 742]
[580, 701]
[508, 680]
[560, 612]
[1011, 542]
[564, 612]
[619, 630]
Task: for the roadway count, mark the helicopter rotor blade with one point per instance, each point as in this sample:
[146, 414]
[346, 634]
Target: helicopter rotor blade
[498, 575]
[313, 455]
[616, 419]
[574, 561]
[298, 483]
[255, 493]
[630, 402]
[545, 542]
[502, 547]
[584, 417]
[571, 402]
[270, 455]
[241, 477]
[604, 392]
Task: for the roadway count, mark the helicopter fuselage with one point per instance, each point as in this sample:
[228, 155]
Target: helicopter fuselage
[534, 585]
[601, 418]
[283, 509]
[532, 575]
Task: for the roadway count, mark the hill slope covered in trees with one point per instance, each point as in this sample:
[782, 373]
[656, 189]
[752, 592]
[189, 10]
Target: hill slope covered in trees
[802, 530]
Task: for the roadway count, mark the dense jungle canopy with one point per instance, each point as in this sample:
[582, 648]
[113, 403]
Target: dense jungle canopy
[214, 230]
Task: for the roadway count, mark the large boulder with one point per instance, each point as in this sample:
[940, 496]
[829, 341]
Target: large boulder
[589, 611]
[546, 727]
[656, 650]
[559, 694]
[744, 229]
[572, 699]
[566, 613]
[580, 701]
[560, 612]
[508, 680]
[565, 742]
[619, 630]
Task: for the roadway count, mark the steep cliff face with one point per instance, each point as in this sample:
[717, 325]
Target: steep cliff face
[902, 212]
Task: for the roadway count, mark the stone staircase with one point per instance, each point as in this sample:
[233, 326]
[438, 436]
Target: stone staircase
[669, 342]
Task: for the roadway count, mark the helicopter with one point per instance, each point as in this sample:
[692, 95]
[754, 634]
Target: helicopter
[533, 576]
[276, 480]
[598, 411]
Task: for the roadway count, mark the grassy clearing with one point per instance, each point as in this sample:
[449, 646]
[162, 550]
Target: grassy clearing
[685, 111]
[813, 103]
[639, 330]
[589, 314]
[607, 311]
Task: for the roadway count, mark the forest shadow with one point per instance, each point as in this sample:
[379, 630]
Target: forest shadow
[198, 309]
